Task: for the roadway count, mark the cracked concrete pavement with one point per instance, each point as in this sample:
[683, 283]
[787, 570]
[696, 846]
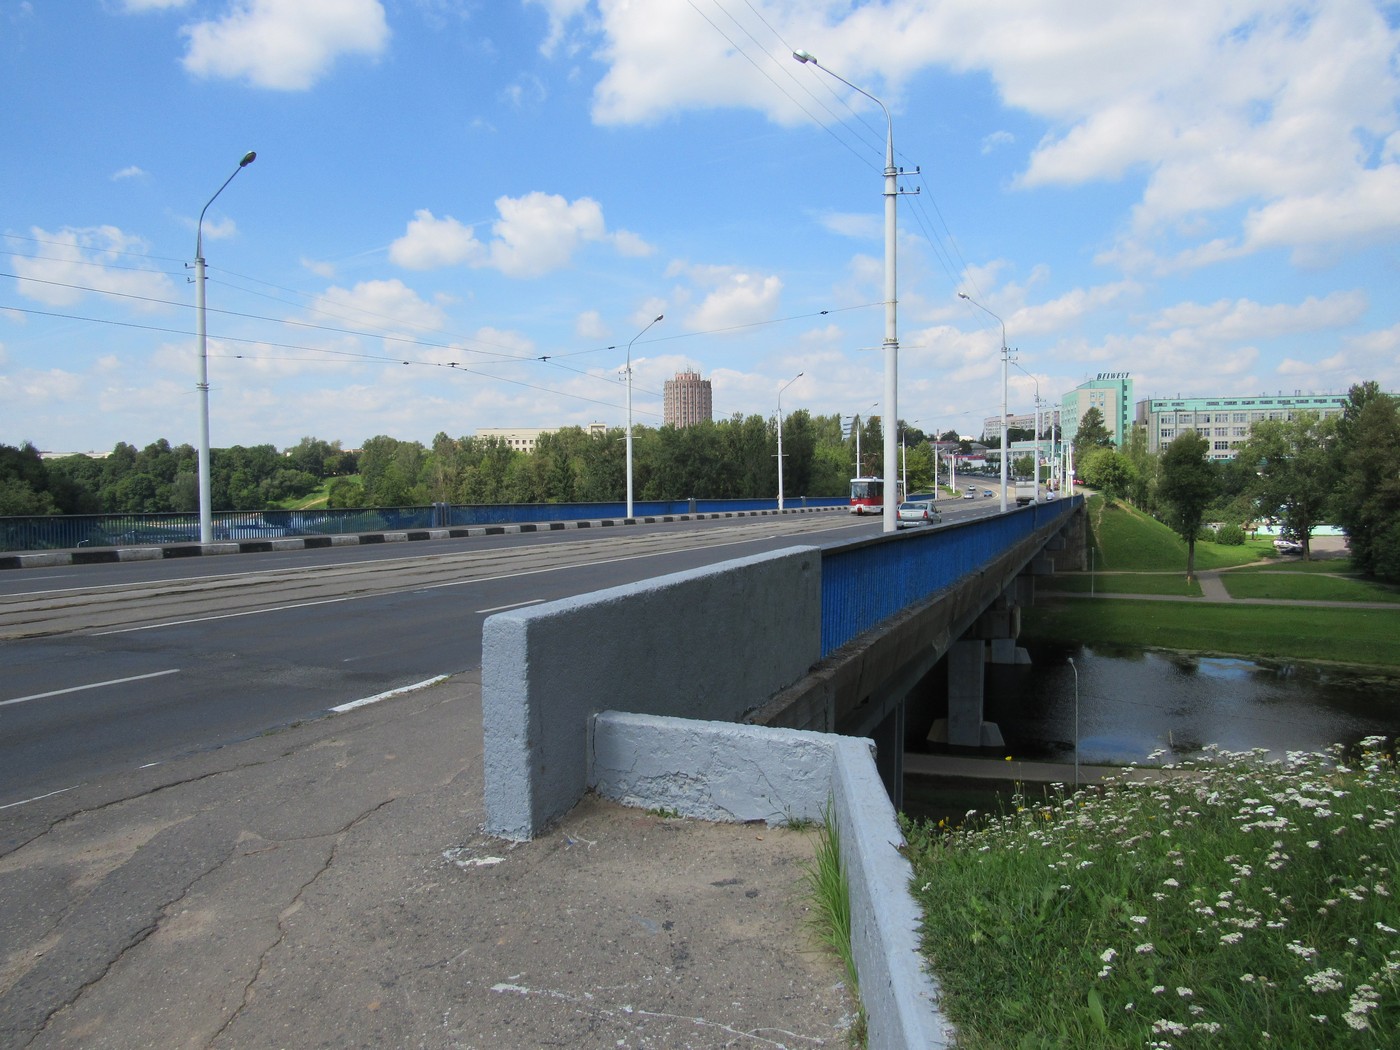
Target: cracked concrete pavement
[329, 885]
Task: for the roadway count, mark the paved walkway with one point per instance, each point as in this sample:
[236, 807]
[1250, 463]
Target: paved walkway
[329, 885]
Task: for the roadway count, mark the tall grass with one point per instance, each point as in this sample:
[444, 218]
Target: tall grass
[829, 895]
[1229, 904]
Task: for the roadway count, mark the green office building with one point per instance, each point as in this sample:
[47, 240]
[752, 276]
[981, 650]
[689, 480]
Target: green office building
[1111, 393]
[1225, 422]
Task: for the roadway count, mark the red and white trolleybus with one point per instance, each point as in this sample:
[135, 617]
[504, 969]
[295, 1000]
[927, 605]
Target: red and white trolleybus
[868, 495]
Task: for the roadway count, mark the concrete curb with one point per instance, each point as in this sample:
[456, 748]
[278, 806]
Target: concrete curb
[722, 771]
[108, 555]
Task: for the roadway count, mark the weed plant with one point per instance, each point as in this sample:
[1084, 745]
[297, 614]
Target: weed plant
[829, 895]
[1229, 903]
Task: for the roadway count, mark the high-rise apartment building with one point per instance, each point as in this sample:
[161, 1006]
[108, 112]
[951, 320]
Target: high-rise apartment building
[688, 400]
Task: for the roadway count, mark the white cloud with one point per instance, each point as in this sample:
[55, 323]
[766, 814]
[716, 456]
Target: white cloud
[589, 325]
[540, 232]
[1280, 114]
[734, 297]
[381, 305]
[431, 242]
[632, 246]
[860, 225]
[996, 140]
[285, 45]
[129, 172]
[536, 234]
[79, 262]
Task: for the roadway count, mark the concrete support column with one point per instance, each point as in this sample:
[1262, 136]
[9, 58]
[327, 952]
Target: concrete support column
[889, 754]
[966, 666]
[964, 726]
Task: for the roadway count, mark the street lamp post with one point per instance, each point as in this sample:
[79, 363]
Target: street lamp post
[789, 383]
[1004, 358]
[891, 343]
[206, 515]
[1036, 454]
[629, 411]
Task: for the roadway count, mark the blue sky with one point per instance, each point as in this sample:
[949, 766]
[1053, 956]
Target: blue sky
[462, 212]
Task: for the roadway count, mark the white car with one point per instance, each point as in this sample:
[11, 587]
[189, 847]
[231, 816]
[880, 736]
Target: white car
[917, 512]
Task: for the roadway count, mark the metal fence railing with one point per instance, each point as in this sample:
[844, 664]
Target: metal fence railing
[870, 580]
[72, 531]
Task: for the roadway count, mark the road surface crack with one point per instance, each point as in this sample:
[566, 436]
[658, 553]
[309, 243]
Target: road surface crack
[264, 958]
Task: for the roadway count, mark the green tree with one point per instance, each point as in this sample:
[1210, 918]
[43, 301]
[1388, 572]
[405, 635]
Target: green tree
[1296, 467]
[345, 492]
[1367, 495]
[314, 456]
[1187, 485]
[75, 482]
[24, 482]
[1144, 468]
[389, 472]
[1109, 471]
[1091, 433]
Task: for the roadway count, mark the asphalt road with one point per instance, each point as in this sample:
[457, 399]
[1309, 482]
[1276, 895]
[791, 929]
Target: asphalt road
[112, 667]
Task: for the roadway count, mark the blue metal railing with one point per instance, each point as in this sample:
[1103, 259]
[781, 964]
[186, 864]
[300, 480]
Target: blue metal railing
[868, 581]
[71, 531]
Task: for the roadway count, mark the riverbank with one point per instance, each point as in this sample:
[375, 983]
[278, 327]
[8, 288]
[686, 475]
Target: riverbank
[1245, 601]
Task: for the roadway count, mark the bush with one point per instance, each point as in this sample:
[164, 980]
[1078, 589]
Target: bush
[1230, 535]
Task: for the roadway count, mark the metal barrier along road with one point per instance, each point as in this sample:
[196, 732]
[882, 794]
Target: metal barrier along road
[71, 531]
[867, 582]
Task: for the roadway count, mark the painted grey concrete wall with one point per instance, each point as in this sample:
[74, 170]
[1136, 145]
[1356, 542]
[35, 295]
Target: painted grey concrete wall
[900, 996]
[718, 771]
[712, 643]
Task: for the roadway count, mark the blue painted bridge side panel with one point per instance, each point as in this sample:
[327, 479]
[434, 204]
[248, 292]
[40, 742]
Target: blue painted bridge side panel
[866, 583]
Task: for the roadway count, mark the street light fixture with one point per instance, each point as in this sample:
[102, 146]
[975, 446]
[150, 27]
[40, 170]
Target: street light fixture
[206, 516]
[1004, 359]
[891, 343]
[1036, 454]
[789, 383]
[629, 411]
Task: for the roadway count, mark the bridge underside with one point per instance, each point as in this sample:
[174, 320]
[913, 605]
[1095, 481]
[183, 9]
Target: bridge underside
[861, 689]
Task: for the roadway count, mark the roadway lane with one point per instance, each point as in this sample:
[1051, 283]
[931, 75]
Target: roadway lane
[105, 675]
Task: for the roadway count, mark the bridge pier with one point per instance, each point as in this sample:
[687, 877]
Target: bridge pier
[965, 726]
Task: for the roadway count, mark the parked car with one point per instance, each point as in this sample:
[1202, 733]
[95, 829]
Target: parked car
[1287, 546]
[917, 512]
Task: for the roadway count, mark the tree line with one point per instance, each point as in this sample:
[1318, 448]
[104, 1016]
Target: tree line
[1299, 473]
[734, 458]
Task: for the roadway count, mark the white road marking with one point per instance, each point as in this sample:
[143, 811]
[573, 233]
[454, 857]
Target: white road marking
[363, 701]
[220, 616]
[513, 605]
[36, 798]
[94, 685]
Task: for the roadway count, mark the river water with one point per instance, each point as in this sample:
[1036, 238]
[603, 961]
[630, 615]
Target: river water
[1130, 704]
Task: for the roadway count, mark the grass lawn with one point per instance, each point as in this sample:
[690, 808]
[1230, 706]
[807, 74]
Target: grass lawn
[1333, 566]
[1127, 540]
[1122, 583]
[1360, 637]
[1307, 586]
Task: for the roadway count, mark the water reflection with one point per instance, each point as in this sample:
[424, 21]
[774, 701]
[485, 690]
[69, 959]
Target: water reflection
[1132, 702]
